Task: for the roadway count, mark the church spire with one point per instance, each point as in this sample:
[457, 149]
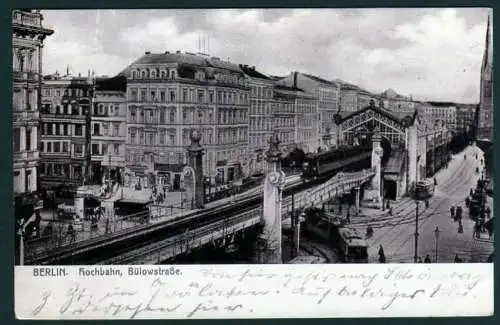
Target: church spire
[488, 55]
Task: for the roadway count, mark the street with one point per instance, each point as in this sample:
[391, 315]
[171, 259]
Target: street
[396, 233]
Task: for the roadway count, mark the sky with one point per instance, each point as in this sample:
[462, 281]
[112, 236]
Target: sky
[431, 54]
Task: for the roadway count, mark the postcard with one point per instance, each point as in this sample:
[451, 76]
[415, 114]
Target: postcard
[176, 164]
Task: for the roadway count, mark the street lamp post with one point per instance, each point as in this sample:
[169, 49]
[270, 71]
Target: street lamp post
[436, 234]
[415, 258]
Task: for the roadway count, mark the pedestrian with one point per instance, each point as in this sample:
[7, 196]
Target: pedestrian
[369, 231]
[420, 259]
[457, 259]
[390, 211]
[460, 227]
[71, 233]
[388, 206]
[488, 212]
[427, 259]
[471, 192]
[348, 217]
[452, 212]
[426, 204]
[381, 255]
[435, 181]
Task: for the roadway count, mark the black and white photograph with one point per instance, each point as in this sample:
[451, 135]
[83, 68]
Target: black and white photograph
[252, 136]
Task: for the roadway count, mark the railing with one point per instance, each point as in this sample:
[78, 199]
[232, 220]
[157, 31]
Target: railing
[25, 155]
[26, 18]
[23, 75]
[23, 115]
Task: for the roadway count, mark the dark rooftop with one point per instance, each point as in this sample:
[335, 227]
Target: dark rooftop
[281, 87]
[442, 104]
[117, 83]
[321, 80]
[250, 71]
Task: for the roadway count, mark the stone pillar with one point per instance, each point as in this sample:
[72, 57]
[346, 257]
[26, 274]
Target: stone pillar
[377, 166]
[22, 145]
[356, 200]
[274, 181]
[33, 186]
[296, 235]
[195, 154]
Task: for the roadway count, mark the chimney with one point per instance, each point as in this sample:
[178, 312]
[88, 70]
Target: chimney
[147, 52]
[253, 67]
[295, 79]
[178, 52]
[167, 52]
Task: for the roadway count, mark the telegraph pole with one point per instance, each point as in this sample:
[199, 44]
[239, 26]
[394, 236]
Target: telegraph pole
[415, 258]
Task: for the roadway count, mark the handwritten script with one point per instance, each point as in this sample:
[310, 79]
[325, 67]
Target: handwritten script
[214, 292]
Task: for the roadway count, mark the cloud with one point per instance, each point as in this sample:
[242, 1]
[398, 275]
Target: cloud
[430, 53]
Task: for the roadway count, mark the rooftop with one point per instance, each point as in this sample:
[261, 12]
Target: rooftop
[117, 83]
[251, 72]
[321, 80]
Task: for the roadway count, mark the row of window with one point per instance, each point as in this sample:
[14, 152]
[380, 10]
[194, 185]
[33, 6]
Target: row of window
[25, 140]
[66, 92]
[67, 171]
[60, 147]
[100, 149]
[168, 137]
[189, 116]
[192, 95]
[24, 99]
[101, 109]
[67, 129]
[64, 109]
[111, 129]
[261, 92]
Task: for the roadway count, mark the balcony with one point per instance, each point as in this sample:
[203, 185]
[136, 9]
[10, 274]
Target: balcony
[26, 155]
[25, 76]
[21, 116]
[26, 18]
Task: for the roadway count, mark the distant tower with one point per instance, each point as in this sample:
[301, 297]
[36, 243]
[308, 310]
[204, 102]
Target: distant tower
[485, 118]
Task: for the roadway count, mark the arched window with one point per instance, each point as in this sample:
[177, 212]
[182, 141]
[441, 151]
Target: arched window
[163, 75]
[133, 74]
[153, 74]
[172, 74]
[143, 74]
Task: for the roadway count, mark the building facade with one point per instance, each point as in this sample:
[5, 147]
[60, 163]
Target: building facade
[65, 130]
[348, 98]
[465, 116]
[28, 35]
[171, 94]
[485, 115]
[108, 128]
[285, 119]
[260, 117]
[434, 112]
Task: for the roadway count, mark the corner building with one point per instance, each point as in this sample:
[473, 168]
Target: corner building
[65, 131]
[28, 36]
[171, 94]
[108, 128]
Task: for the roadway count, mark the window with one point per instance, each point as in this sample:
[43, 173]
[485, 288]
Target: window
[172, 116]
[46, 92]
[172, 138]
[73, 92]
[172, 95]
[162, 96]
[17, 140]
[133, 95]
[184, 95]
[95, 148]
[96, 129]
[49, 146]
[65, 147]
[65, 129]
[143, 95]
[153, 95]
[132, 137]
[116, 130]
[151, 138]
[143, 74]
[162, 116]
[116, 148]
[79, 129]
[42, 146]
[28, 139]
[132, 114]
[58, 92]
[211, 96]
[57, 146]
[79, 149]
[201, 96]
[74, 109]
[162, 137]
